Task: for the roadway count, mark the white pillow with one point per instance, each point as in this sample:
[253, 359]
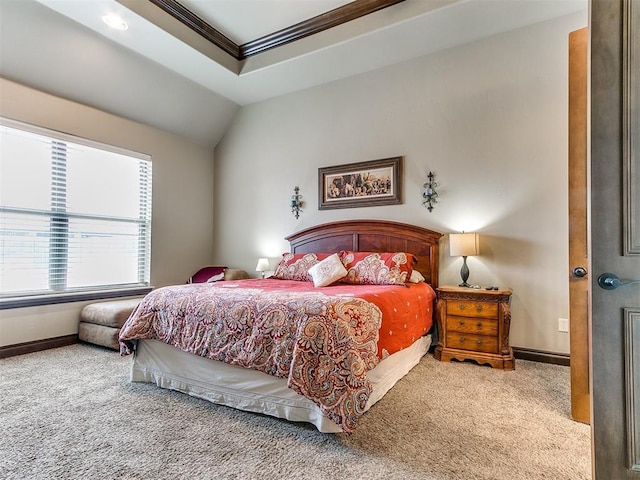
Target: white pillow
[327, 271]
[416, 277]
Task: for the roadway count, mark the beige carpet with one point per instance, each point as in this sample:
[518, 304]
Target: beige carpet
[71, 413]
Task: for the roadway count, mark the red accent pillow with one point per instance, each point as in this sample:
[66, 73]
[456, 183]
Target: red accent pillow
[206, 274]
[370, 268]
[295, 266]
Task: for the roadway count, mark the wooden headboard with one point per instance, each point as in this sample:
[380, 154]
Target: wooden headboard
[372, 236]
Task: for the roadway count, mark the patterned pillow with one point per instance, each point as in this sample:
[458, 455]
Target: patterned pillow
[295, 266]
[377, 268]
[327, 271]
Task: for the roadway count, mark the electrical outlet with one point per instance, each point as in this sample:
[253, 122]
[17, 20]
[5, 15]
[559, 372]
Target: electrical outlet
[563, 325]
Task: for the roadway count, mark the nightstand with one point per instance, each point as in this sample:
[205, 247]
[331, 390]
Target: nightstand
[473, 324]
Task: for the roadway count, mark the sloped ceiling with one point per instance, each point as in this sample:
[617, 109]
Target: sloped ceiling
[162, 73]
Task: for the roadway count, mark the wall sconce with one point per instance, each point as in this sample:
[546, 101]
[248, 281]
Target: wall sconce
[296, 202]
[429, 194]
[263, 265]
[463, 245]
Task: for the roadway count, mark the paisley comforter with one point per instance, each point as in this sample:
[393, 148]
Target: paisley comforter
[323, 341]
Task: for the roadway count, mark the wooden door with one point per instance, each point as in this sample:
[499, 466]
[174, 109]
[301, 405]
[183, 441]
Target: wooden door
[578, 238]
[615, 237]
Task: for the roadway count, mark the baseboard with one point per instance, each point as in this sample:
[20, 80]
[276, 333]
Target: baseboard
[541, 356]
[37, 345]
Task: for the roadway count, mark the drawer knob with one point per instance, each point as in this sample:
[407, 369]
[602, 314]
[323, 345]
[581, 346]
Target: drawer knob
[479, 308]
[479, 342]
[461, 322]
[462, 339]
[462, 306]
[479, 324]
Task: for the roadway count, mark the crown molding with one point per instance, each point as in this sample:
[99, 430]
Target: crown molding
[319, 23]
[198, 25]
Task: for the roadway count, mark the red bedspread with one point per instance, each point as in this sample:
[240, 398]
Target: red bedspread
[322, 340]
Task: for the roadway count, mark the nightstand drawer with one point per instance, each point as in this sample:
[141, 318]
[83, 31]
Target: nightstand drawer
[476, 343]
[465, 308]
[479, 326]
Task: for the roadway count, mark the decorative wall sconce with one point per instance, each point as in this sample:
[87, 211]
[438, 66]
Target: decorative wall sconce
[296, 202]
[429, 194]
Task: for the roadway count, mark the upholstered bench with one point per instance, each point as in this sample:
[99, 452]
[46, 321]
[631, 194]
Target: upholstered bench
[100, 323]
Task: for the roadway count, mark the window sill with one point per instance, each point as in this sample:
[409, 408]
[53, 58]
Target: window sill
[40, 300]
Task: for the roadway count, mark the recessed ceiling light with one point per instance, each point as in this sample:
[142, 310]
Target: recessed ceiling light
[115, 21]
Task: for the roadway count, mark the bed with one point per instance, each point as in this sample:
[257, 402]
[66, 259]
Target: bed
[322, 355]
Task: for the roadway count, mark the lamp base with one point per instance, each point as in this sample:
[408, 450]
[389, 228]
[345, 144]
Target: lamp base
[464, 273]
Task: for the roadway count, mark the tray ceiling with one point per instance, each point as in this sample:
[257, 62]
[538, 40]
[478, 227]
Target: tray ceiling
[67, 50]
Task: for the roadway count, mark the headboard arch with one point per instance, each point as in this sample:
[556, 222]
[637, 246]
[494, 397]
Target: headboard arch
[373, 236]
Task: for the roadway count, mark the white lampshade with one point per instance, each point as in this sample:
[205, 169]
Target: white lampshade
[263, 265]
[463, 244]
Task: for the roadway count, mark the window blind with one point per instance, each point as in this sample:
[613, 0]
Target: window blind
[75, 215]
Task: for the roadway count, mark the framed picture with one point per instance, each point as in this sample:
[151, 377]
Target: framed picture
[364, 184]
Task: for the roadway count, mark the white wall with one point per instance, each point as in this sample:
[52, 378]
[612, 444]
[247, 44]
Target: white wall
[182, 222]
[489, 118]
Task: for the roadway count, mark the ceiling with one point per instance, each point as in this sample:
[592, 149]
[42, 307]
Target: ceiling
[163, 73]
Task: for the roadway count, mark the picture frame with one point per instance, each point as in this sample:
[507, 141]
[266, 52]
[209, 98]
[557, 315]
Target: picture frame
[363, 184]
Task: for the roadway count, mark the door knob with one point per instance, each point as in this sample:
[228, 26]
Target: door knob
[579, 272]
[610, 281]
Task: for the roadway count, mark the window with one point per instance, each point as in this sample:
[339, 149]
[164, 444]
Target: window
[75, 215]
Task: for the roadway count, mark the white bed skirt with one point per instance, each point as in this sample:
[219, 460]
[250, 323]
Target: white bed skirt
[253, 391]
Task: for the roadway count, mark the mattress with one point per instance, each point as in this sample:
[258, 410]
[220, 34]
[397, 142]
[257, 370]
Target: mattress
[254, 391]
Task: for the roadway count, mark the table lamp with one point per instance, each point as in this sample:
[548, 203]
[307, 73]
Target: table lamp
[263, 265]
[463, 245]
